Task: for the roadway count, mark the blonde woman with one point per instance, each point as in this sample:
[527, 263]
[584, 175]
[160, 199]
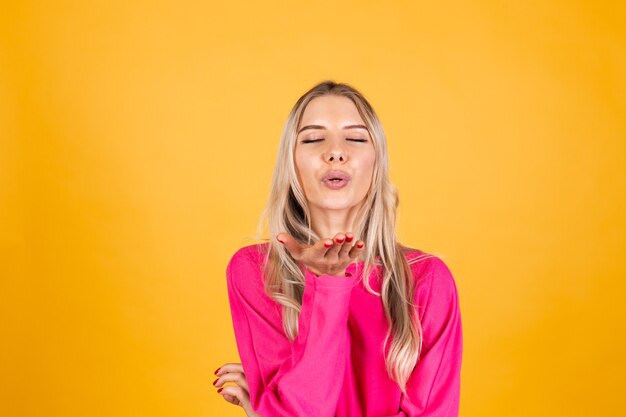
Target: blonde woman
[333, 316]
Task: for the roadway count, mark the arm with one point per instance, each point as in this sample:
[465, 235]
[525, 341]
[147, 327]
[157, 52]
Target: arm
[434, 386]
[285, 378]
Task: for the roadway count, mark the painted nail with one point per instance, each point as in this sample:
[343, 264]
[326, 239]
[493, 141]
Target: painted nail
[220, 390]
[328, 245]
[214, 382]
[360, 245]
[349, 238]
[339, 240]
[217, 370]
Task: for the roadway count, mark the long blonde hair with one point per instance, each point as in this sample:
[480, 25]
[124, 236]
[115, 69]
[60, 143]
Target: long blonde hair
[287, 211]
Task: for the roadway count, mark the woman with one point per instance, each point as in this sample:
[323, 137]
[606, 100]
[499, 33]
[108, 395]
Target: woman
[315, 337]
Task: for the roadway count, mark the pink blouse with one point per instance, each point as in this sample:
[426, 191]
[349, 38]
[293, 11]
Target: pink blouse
[335, 367]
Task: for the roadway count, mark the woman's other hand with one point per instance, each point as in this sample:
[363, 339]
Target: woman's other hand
[235, 394]
[326, 256]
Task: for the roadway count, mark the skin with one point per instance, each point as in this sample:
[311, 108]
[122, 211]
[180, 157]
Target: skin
[333, 212]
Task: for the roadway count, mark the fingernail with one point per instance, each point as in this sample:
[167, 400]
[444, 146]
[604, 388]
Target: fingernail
[217, 370]
[214, 382]
[339, 240]
[360, 245]
[220, 390]
[349, 238]
[328, 245]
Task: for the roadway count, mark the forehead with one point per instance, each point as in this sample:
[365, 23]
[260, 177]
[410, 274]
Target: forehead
[331, 110]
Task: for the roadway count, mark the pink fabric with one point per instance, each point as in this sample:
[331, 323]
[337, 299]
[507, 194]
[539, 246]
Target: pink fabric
[335, 366]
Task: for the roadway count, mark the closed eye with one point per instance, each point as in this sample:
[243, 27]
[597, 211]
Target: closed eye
[317, 140]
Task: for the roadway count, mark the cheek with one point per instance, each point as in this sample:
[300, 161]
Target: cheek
[367, 162]
[304, 166]
[367, 168]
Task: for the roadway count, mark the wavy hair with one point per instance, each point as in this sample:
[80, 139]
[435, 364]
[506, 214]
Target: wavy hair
[287, 211]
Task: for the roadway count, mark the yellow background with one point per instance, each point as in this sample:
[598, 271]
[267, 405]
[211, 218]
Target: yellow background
[137, 145]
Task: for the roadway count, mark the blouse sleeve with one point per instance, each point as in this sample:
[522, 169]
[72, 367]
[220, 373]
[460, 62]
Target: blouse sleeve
[299, 378]
[434, 386]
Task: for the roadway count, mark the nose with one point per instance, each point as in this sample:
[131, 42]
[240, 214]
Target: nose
[335, 156]
[335, 152]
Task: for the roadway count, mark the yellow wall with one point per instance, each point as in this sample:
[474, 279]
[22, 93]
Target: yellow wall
[137, 144]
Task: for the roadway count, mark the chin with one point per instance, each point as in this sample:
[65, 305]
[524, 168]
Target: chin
[336, 204]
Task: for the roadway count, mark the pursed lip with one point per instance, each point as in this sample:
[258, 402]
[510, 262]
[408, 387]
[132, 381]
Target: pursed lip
[336, 174]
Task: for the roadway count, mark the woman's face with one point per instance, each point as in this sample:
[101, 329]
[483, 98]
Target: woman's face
[340, 142]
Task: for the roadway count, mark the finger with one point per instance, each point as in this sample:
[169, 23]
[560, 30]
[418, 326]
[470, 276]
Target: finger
[229, 367]
[338, 242]
[357, 249]
[292, 245]
[231, 399]
[346, 247]
[236, 392]
[321, 248]
[238, 378]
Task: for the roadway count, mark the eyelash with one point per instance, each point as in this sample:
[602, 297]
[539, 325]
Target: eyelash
[317, 140]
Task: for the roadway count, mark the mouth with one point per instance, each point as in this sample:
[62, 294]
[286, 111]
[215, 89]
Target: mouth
[336, 176]
[336, 180]
[336, 184]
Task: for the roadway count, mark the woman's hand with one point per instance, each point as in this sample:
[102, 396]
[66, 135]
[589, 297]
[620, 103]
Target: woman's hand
[326, 256]
[237, 394]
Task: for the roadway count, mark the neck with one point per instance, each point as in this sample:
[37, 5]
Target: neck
[328, 222]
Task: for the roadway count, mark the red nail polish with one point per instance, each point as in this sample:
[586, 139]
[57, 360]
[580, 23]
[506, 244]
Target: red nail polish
[217, 370]
[360, 245]
[220, 390]
[339, 240]
[327, 245]
[214, 382]
[349, 239]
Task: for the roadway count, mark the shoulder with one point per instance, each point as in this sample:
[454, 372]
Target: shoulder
[250, 253]
[245, 282]
[435, 283]
[427, 266]
[245, 261]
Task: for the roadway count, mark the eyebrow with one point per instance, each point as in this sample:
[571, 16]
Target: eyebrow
[307, 127]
